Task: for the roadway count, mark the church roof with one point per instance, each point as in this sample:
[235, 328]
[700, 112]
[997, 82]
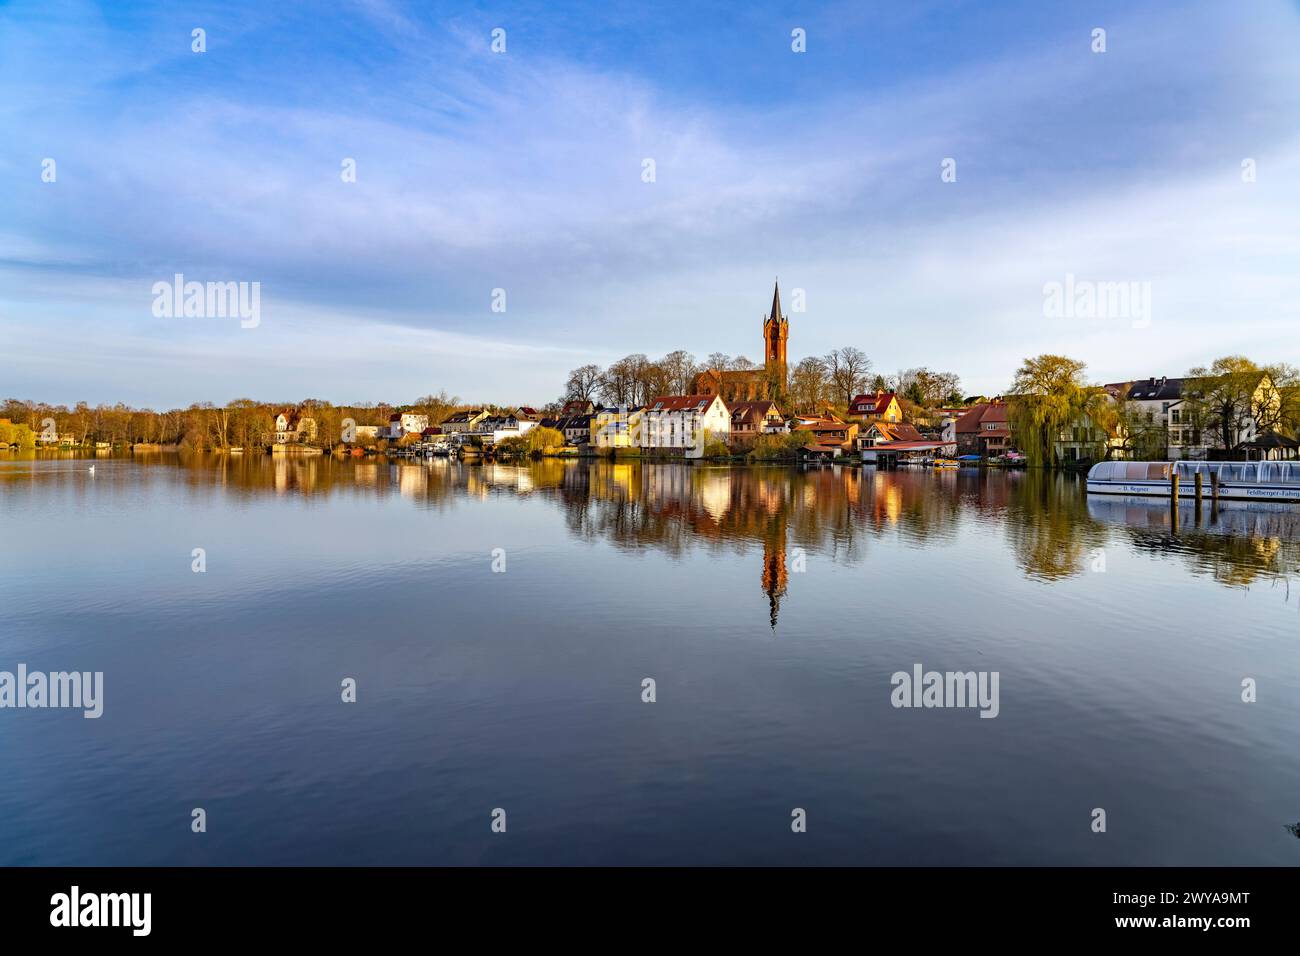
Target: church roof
[776, 303]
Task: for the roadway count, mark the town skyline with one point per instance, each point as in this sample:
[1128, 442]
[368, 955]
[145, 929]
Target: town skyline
[524, 170]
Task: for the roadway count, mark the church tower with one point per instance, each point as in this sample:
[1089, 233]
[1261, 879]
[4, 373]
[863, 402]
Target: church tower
[776, 330]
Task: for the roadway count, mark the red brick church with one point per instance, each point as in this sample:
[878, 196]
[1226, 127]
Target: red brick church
[747, 385]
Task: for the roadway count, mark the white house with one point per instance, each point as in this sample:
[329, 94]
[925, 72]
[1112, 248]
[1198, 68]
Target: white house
[404, 423]
[497, 428]
[684, 423]
[291, 426]
[1192, 431]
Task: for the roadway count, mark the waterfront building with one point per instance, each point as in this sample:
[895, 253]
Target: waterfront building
[616, 427]
[406, 423]
[684, 424]
[463, 421]
[291, 426]
[984, 430]
[496, 428]
[882, 431]
[577, 429]
[831, 432]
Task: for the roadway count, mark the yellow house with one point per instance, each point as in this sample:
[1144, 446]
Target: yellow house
[879, 407]
[616, 427]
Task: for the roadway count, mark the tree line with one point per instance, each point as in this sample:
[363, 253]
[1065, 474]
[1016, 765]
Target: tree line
[204, 426]
[1221, 403]
[812, 384]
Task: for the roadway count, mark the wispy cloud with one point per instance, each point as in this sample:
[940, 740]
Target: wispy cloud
[523, 172]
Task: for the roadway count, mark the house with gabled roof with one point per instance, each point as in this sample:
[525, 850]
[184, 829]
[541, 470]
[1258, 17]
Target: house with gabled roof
[882, 431]
[984, 430]
[751, 419]
[831, 432]
[463, 421]
[878, 406]
[406, 423]
[293, 425]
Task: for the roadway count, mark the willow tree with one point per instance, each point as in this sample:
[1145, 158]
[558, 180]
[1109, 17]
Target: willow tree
[1048, 394]
[542, 440]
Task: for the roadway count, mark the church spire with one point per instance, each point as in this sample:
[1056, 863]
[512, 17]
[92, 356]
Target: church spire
[775, 332]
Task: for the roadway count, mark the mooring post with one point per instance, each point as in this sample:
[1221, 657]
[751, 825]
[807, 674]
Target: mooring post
[1214, 485]
[1173, 487]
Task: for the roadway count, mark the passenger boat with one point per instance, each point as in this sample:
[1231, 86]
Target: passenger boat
[1238, 480]
[946, 463]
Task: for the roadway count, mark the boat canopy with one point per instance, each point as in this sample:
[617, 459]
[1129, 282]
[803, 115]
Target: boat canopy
[1239, 472]
[1129, 471]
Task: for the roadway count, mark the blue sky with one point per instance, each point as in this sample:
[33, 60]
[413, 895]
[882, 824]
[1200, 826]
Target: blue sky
[522, 171]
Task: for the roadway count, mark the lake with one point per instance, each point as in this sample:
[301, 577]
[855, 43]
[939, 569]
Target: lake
[500, 623]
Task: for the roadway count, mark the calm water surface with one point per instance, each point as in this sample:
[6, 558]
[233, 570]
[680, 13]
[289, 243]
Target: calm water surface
[771, 607]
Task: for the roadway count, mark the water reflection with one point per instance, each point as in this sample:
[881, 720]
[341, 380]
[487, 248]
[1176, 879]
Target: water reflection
[478, 686]
[1234, 542]
[774, 516]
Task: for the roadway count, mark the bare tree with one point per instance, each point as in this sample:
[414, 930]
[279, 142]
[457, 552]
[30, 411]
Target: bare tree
[808, 383]
[584, 384]
[847, 370]
[679, 371]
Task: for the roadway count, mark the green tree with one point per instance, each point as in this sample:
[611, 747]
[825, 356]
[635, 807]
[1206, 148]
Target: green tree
[1224, 398]
[1048, 396]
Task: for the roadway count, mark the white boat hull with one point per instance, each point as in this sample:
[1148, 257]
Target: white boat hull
[1235, 491]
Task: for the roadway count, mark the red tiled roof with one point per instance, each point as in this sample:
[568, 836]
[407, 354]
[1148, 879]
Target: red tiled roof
[897, 431]
[871, 404]
[747, 412]
[679, 403]
[982, 414]
[907, 445]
